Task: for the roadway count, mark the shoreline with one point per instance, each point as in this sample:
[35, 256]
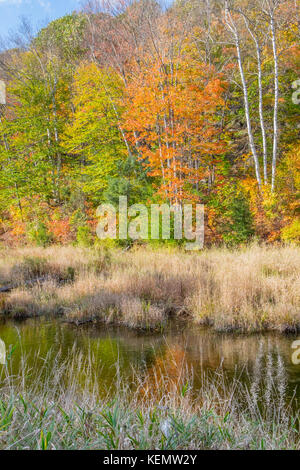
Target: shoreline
[254, 289]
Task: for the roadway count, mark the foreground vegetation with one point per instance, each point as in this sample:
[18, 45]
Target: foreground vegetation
[251, 289]
[60, 411]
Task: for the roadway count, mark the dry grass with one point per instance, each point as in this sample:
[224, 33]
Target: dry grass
[63, 409]
[251, 289]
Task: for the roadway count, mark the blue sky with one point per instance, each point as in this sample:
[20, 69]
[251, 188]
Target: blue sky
[38, 11]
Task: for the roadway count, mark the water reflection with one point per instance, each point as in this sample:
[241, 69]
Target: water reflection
[118, 354]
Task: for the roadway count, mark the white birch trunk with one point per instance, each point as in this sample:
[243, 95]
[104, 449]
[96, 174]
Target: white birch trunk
[231, 26]
[276, 99]
[260, 89]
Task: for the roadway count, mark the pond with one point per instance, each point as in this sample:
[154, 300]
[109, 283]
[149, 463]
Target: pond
[119, 355]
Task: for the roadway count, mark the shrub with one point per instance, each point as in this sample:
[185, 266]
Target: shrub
[84, 236]
[39, 234]
[291, 233]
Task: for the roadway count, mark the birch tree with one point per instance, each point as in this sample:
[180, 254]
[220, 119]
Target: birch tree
[270, 8]
[264, 21]
[233, 29]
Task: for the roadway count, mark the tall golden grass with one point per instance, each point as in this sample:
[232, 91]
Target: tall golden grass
[250, 289]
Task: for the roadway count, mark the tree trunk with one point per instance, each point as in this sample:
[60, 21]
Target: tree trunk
[276, 99]
[247, 112]
[232, 28]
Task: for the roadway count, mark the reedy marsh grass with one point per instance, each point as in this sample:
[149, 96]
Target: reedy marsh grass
[254, 288]
[64, 408]
[251, 289]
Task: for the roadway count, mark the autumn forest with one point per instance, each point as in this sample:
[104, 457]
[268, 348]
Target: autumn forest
[194, 101]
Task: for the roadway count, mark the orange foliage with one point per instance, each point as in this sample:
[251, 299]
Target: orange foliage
[60, 230]
[172, 121]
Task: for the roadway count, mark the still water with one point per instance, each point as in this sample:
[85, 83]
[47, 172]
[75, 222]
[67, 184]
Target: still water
[117, 354]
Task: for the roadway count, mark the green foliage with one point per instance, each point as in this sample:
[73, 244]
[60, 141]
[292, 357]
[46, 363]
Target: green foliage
[241, 226]
[39, 234]
[84, 236]
[235, 221]
[291, 233]
[65, 37]
[94, 135]
[78, 218]
[132, 181]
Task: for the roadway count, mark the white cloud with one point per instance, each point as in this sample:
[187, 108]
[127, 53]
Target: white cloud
[13, 1]
[45, 4]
